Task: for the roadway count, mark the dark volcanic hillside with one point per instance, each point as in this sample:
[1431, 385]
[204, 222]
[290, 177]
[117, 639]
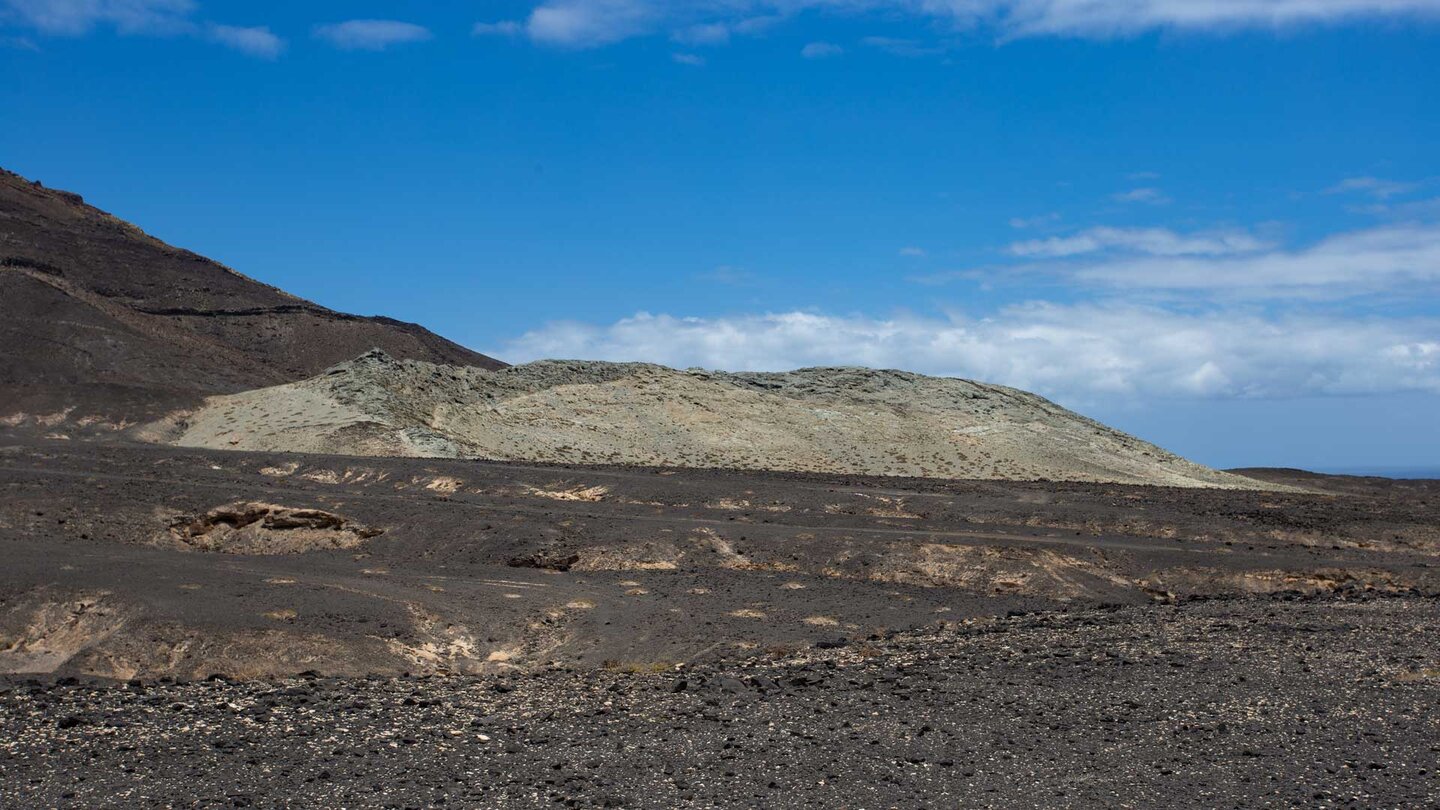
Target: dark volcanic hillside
[105, 319]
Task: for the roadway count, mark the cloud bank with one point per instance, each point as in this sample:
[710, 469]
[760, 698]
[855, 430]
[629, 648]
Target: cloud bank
[258, 41]
[1155, 313]
[1152, 241]
[136, 17]
[1078, 353]
[1387, 258]
[371, 35]
[589, 23]
[1395, 259]
[820, 50]
[75, 17]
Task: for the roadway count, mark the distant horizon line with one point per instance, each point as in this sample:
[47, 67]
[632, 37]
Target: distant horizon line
[1401, 472]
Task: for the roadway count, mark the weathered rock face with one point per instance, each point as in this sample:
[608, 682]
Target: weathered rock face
[837, 420]
[47, 627]
[265, 528]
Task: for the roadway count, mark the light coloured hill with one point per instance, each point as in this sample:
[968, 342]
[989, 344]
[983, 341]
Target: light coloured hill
[837, 420]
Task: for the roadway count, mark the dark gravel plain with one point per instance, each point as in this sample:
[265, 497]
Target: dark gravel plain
[482, 566]
[601, 636]
[1322, 702]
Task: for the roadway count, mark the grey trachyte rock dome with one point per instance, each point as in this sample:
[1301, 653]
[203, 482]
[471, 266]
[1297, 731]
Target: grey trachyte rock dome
[829, 419]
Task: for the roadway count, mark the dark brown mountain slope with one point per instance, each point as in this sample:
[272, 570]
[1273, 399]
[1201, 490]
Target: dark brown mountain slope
[104, 320]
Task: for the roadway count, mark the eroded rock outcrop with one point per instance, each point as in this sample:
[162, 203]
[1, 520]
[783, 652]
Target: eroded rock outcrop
[44, 629]
[266, 528]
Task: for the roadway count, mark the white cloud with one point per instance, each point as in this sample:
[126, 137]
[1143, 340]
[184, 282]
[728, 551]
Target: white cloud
[719, 33]
[704, 34]
[1423, 209]
[587, 23]
[903, 47]
[371, 35]
[1152, 241]
[1148, 195]
[1107, 19]
[911, 250]
[505, 28]
[1076, 353]
[135, 17]
[693, 60]
[732, 276]
[1379, 259]
[1021, 223]
[75, 17]
[258, 41]
[1373, 186]
[821, 50]
[757, 25]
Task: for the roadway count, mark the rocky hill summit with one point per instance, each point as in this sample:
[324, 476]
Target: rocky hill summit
[833, 420]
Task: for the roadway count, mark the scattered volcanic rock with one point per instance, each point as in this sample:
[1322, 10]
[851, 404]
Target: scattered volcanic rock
[1218, 704]
[105, 324]
[835, 420]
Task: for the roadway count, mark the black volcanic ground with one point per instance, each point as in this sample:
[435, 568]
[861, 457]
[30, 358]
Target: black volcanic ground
[1212, 648]
[483, 565]
[1325, 703]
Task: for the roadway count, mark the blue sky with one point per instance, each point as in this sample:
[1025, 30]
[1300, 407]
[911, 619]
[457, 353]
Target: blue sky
[1214, 225]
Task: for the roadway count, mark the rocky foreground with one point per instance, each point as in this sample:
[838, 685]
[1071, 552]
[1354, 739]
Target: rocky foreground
[679, 638]
[1317, 703]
